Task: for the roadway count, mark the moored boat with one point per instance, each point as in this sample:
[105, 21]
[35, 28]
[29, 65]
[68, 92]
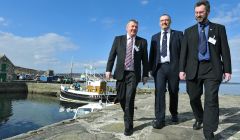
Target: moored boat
[94, 91]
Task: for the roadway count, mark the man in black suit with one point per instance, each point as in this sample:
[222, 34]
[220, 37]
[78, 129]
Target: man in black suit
[131, 52]
[164, 65]
[204, 61]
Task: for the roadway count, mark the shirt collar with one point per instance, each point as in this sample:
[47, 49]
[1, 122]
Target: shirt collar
[129, 37]
[205, 24]
[168, 30]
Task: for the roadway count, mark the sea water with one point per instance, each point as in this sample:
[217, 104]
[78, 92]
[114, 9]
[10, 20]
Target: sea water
[21, 112]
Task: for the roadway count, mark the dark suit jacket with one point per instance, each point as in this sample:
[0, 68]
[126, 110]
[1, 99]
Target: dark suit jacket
[174, 47]
[119, 50]
[219, 53]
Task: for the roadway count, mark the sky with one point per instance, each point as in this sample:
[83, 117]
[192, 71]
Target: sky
[53, 34]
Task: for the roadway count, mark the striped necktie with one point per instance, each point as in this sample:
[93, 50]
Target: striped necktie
[129, 56]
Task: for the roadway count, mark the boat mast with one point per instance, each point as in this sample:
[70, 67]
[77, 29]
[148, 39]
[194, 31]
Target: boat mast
[71, 67]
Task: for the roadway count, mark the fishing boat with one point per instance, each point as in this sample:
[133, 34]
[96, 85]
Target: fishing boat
[94, 89]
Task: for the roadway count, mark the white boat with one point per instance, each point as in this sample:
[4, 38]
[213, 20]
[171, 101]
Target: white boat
[94, 91]
[90, 108]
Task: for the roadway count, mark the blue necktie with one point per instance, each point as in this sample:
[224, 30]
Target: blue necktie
[164, 45]
[202, 48]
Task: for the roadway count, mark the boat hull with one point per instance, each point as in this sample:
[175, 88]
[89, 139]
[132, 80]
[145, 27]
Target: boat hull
[84, 97]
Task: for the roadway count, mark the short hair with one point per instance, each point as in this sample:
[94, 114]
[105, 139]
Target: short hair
[166, 15]
[133, 20]
[205, 3]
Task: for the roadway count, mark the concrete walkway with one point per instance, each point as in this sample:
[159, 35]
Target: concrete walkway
[107, 124]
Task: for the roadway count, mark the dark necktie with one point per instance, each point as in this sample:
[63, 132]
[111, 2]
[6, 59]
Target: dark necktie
[202, 41]
[164, 45]
[128, 58]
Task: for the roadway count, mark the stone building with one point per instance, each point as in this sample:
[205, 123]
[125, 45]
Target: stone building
[6, 69]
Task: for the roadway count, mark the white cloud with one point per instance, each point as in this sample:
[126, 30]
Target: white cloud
[40, 52]
[3, 22]
[108, 21]
[227, 15]
[99, 66]
[144, 2]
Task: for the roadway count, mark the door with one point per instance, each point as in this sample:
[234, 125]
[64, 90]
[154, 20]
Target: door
[3, 77]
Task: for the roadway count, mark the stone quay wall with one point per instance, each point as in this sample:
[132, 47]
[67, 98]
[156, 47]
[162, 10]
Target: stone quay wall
[50, 89]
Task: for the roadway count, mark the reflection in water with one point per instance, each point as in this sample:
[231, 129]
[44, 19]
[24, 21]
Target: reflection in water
[20, 113]
[6, 105]
[69, 107]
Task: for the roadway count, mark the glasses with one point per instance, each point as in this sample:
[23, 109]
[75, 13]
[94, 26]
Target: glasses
[162, 20]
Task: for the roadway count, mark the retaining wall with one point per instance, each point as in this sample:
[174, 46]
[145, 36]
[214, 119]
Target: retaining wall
[51, 89]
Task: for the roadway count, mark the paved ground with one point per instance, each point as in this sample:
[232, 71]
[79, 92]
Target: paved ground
[107, 124]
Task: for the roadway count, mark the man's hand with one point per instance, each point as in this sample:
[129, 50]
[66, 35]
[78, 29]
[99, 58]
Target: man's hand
[108, 75]
[182, 75]
[145, 79]
[150, 74]
[227, 77]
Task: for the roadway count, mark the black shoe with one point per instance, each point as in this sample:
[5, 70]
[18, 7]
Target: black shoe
[128, 132]
[208, 135]
[175, 118]
[158, 125]
[197, 125]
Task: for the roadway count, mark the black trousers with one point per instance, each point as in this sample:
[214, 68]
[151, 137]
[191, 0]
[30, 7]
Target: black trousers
[162, 77]
[126, 89]
[210, 114]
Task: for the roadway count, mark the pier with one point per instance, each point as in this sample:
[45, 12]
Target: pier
[107, 124]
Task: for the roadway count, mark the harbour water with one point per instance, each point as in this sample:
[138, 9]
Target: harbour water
[225, 88]
[20, 113]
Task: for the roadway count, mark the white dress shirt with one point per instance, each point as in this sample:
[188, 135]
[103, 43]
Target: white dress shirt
[167, 58]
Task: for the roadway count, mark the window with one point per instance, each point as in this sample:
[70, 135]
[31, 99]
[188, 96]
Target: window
[4, 68]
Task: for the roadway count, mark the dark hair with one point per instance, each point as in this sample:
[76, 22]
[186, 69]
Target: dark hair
[205, 3]
[133, 20]
[166, 15]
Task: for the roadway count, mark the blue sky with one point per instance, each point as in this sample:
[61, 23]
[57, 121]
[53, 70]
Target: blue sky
[48, 34]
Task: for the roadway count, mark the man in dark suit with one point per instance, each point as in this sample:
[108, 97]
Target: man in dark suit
[204, 61]
[131, 52]
[164, 65]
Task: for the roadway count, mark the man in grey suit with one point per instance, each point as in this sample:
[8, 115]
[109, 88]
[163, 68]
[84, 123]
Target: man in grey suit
[164, 66]
[204, 61]
[131, 53]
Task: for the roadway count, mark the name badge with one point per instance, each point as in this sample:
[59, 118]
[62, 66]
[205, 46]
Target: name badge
[212, 40]
[136, 48]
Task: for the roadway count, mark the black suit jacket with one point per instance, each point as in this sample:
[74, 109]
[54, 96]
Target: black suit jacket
[174, 47]
[219, 53]
[119, 50]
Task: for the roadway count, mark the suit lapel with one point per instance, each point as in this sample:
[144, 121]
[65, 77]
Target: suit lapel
[171, 39]
[158, 47]
[196, 37]
[211, 32]
[158, 41]
[124, 45]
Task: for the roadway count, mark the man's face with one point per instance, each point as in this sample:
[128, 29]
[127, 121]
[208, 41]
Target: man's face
[165, 22]
[132, 28]
[201, 14]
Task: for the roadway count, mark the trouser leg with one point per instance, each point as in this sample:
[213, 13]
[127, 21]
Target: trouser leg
[195, 90]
